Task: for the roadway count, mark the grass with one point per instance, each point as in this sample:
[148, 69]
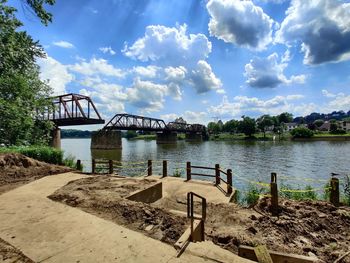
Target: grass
[298, 194]
[242, 137]
[327, 134]
[177, 173]
[41, 153]
[249, 197]
[145, 137]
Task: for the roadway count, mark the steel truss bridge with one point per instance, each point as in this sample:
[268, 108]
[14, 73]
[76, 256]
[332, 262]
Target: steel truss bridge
[134, 122]
[71, 109]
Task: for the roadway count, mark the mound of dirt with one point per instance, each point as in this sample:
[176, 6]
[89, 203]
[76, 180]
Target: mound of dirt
[9, 253]
[104, 196]
[305, 228]
[17, 169]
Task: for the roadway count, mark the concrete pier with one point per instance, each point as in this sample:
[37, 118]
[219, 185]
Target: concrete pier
[194, 137]
[106, 140]
[166, 137]
[56, 138]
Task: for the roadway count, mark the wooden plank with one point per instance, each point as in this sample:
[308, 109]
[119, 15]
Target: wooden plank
[207, 175]
[277, 257]
[203, 167]
[262, 254]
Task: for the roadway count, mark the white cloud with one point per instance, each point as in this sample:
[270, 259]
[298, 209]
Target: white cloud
[148, 72]
[268, 73]
[203, 78]
[253, 106]
[107, 50]
[169, 46]
[146, 95]
[338, 101]
[321, 26]
[107, 97]
[240, 22]
[97, 66]
[56, 74]
[190, 117]
[328, 94]
[63, 44]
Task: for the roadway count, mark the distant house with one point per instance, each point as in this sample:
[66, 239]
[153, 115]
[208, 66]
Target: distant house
[326, 126]
[291, 126]
[344, 125]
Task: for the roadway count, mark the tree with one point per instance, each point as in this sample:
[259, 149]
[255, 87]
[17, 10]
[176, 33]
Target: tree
[318, 123]
[130, 134]
[213, 127]
[285, 117]
[230, 126]
[247, 126]
[333, 127]
[37, 6]
[264, 122]
[22, 93]
[301, 132]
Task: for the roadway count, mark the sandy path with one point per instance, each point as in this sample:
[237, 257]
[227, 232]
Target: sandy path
[48, 231]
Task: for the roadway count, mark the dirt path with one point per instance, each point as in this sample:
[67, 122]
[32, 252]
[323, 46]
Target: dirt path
[48, 231]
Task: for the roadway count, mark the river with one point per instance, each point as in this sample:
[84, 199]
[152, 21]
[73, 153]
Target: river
[296, 163]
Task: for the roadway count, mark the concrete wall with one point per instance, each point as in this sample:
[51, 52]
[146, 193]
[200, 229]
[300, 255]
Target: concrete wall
[166, 137]
[148, 195]
[56, 138]
[106, 140]
[194, 137]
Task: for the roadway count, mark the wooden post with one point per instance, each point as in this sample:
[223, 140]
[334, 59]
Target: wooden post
[188, 171]
[149, 169]
[334, 194]
[165, 168]
[217, 174]
[79, 165]
[274, 194]
[93, 166]
[110, 164]
[229, 181]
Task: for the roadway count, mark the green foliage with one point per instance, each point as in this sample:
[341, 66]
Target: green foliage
[70, 133]
[130, 134]
[247, 126]
[70, 161]
[252, 195]
[214, 127]
[326, 191]
[37, 6]
[302, 132]
[177, 173]
[40, 153]
[22, 93]
[308, 193]
[285, 117]
[264, 122]
[230, 126]
[319, 123]
[333, 128]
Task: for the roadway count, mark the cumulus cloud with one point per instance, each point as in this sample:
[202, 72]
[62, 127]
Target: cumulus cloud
[203, 79]
[321, 26]
[55, 73]
[148, 72]
[338, 101]
[147, 95]
[240, 22]
[254, 106]
[107, 50]
[97, 66]
[189, 116]
[268, 73]
[63, 44]
[107, 96]
[169, 46]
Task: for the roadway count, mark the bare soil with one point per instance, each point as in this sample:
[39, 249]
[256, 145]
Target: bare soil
[307, 227]
[17, 169]
[9, 253]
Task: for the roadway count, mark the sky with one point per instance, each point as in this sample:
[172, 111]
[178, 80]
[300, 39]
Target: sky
[198, 59]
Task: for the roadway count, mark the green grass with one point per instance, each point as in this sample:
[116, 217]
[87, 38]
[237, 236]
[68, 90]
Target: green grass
[145, 137]
[177, 173]
[327, 134]
[41, 153]
[242, 137]
[298, 194]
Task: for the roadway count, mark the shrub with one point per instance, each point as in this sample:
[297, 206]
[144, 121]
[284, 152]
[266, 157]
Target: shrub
[252, 195]
[302, 132]
[177, 173]
[298, 194]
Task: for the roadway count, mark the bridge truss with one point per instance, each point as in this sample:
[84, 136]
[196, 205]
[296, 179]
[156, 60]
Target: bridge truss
[135, 122]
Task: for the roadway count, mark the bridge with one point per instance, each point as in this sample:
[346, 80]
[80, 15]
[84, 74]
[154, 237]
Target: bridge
[109, 137]
[67, 110]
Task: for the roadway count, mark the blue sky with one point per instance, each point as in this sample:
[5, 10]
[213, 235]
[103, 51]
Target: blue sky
[199, 59]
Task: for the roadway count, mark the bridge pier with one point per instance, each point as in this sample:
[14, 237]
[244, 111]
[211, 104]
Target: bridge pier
[56, 138]
[194, 137]
[106, 140]
[166, 137]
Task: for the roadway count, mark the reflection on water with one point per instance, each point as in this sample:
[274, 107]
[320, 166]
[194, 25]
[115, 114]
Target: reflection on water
[249, 160]
[107, 154]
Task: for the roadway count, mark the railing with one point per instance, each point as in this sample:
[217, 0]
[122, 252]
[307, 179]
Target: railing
[217, 175]
[191, 215]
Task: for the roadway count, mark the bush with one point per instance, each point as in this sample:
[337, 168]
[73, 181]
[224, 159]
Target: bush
[302, 132]
[298, 194]
[338, 131]
[177, 173]
[252, 195]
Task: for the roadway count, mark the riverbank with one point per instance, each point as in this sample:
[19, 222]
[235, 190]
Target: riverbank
[17, 170]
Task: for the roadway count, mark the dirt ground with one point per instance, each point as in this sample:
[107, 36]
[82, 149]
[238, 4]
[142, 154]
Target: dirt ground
[307, 228]
[9, 253]
[17, 169]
